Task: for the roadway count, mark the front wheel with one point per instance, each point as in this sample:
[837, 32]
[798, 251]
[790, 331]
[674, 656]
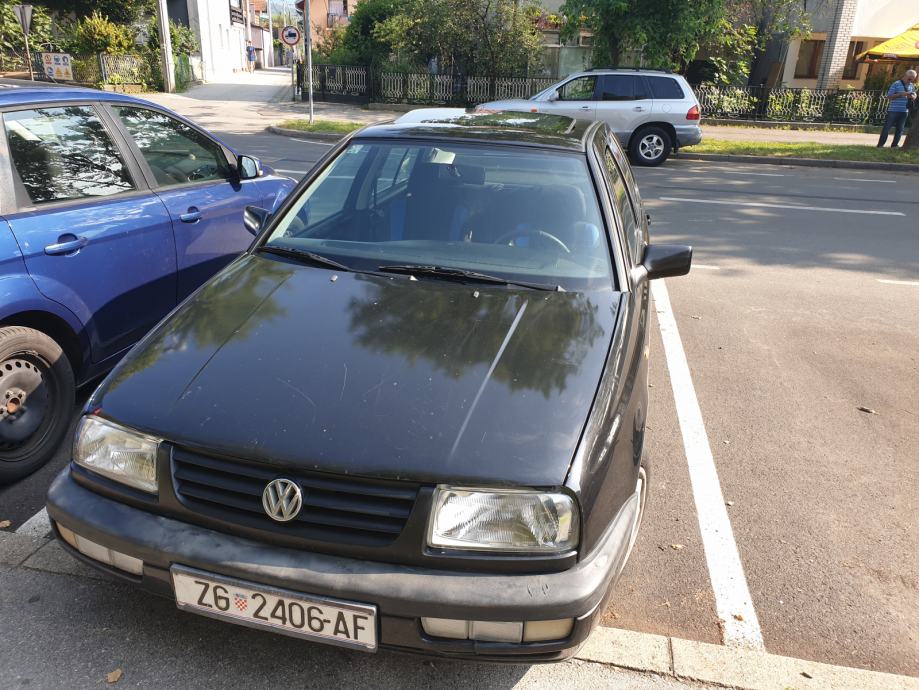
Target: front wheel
[36, 399]
[650, 146]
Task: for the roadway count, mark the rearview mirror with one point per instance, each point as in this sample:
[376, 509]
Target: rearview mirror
[248, 167]
[667, 260]
[255, 219]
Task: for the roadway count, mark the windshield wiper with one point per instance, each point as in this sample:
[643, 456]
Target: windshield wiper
[462, 274]
[304, 256]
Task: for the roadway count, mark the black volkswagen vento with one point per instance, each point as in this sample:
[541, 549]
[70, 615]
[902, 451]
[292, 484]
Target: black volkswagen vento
[411, 416]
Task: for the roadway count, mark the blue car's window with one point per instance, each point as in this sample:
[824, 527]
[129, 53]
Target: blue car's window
[64, 153]
[175, 152]
[517, 212]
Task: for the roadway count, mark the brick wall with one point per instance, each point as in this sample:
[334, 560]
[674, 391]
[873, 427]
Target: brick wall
[833, 61]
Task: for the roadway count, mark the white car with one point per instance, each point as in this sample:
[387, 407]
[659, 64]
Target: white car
[651, 112]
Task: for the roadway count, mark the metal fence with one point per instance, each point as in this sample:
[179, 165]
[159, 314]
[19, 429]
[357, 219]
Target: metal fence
[106, 69]
[837, 106]
[362, 85]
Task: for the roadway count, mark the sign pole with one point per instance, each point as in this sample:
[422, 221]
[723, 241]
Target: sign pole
[162, 18]
[308, 48]
[24, 15]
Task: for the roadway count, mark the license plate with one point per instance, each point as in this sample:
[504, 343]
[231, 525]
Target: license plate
[281, 610]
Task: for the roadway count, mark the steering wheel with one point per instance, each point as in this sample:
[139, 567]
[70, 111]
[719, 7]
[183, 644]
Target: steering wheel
[539, 234]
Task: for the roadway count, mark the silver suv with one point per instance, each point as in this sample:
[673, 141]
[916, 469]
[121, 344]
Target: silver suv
[651, 111]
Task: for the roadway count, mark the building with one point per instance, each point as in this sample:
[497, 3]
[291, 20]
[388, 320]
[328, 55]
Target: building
[840, 30]
[327, 14]
[222, 28]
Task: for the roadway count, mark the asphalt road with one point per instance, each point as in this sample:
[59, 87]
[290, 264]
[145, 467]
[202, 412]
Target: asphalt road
[802, 307]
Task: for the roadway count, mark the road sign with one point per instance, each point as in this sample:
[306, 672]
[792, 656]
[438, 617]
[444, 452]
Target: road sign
[290, 35]
[57, 66]
[24, 15]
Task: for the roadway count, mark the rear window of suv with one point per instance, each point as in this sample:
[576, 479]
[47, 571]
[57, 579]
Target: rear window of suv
[666, 88]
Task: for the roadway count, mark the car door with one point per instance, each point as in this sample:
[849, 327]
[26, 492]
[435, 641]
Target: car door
[194, 177]
[575, 99]
[623, 103]
[93, 236]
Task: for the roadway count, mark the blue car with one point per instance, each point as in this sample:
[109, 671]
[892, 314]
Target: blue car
[112, 211]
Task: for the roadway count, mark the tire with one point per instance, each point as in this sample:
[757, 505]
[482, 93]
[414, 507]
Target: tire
[37, 393]
[650, 146]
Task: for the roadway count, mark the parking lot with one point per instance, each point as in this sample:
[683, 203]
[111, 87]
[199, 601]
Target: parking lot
[783, 427]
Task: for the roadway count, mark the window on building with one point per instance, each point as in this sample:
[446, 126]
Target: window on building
[808, 59]
[851, 69]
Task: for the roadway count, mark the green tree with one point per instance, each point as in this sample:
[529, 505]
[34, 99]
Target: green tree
[119, 11]
[484, 37]
[98, 34]
[666, 33]
[767, 19]
[359, 38]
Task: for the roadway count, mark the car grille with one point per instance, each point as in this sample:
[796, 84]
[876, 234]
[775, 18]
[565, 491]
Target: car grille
[335, 508]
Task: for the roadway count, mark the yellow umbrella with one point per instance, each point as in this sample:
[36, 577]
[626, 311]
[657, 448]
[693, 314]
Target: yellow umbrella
[904, 47]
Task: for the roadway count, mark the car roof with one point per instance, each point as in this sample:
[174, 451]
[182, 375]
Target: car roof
[13, 92]
[504, 127]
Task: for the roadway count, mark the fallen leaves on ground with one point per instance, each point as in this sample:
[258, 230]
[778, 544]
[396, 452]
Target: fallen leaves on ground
[114, 676]
[4, 524]
[866, 410]
[677, 547]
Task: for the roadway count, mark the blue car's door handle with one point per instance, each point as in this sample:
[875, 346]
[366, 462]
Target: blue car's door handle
[67, 246]
[192, 215]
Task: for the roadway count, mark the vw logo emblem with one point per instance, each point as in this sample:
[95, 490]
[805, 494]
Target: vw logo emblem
[282, 500]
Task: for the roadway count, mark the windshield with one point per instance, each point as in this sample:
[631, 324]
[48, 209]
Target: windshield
[520, 214]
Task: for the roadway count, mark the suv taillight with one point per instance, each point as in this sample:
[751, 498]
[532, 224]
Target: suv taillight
[694, 113]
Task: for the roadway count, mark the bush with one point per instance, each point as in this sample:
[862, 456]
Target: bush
[182, 38]
[97, 34]
[12, 45]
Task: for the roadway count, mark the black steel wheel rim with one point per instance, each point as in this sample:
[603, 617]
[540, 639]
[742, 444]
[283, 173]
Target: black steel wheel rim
[26, 402]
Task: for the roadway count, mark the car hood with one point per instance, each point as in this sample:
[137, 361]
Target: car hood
[519, 104]
[378, 376]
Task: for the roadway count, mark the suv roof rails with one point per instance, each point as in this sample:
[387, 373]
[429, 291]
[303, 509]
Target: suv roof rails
[630, 69]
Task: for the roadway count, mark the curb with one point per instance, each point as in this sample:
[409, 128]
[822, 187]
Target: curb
[812, 162]
[321, 137]
[729, 666]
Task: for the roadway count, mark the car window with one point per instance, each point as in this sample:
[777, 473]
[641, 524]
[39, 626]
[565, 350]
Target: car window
[580, 89]
[622, 87]
[175, 152]
[632, 229]
[665, 88]
[64, 153]
[517, 212]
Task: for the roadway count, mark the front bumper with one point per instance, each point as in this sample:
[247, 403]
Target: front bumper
[688, 135]
[403, 594]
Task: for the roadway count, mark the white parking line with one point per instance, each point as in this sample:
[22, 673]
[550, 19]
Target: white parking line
[733, 604]
[757, 204]
[738, 172]
[706, 267]
[36, 526]
[913, 283]
[862, 179]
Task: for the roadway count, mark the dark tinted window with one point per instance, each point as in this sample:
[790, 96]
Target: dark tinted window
[580, 89]
[507, 210]
[622, 87]
[64, 153]
[175, 152]
[665, 87]
[634, 233]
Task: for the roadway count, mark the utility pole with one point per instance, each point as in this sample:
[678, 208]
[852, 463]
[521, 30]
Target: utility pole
[162, 22]
[270, 33]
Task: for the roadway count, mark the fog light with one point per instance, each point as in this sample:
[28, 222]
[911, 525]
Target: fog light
[543, 631]
[100, 553]
[492, 631]
[446, 627]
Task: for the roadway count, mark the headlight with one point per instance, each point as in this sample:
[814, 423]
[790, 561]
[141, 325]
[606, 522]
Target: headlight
[503, 520]
[116, 452]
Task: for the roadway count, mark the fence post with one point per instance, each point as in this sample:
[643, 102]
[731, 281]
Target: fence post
[103, 72]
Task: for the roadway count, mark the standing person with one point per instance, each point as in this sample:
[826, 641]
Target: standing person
[250, 56]
[900, 94]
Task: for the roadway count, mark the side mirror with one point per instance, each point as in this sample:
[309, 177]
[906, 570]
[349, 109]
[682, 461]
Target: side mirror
[667, 260]
[248, 167]
[255, 218]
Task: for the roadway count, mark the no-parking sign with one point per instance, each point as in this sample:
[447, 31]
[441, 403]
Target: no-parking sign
[290, 35]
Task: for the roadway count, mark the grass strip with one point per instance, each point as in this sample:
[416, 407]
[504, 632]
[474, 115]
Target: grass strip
[840, 152]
